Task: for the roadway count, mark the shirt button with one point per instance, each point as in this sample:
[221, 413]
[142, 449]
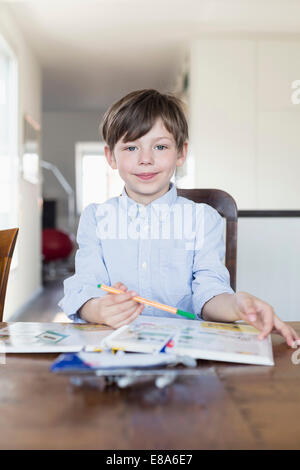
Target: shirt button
[144, 265]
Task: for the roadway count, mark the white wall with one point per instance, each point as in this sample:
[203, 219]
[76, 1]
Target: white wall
[244, 128]
[61, 131]
[268, 263]
[24, 281]
[278, 125]
[245, 135]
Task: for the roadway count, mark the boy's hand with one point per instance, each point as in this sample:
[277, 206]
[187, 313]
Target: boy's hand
[261, 315]
[114, 310]
[119, 309]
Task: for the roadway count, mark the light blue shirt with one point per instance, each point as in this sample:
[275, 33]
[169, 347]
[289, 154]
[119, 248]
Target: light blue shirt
[170, 251]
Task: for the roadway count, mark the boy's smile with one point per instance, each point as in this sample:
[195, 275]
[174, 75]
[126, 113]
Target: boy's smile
[147, 164]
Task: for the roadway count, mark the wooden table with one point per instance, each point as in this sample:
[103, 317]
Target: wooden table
[227, 406]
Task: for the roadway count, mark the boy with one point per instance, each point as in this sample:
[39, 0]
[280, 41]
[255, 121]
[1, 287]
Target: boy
[146, 136]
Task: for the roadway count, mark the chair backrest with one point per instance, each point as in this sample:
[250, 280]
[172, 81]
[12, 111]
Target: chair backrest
[226, 206]
[7, 245]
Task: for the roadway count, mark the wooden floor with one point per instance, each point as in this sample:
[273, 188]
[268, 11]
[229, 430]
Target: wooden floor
[44, 308]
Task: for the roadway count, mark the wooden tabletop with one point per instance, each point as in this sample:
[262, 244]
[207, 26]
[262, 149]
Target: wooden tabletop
[226, 406]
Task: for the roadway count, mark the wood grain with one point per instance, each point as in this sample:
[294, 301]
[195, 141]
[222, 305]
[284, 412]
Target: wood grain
[226, 406]
[7, 245]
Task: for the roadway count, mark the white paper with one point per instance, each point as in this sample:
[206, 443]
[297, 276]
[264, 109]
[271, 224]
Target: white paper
[27, 337]
[232, 342]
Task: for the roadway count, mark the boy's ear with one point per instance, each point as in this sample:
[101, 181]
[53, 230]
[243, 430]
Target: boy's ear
[110, 157]
[182, 155]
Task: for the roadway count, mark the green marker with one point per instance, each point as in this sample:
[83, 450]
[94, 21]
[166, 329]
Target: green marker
[152, 303]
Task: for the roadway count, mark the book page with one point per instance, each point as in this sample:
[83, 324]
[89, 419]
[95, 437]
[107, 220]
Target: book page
[233, 342]
[51, 337]
[226, 339]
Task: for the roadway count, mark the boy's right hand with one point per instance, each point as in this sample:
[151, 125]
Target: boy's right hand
[114, 310]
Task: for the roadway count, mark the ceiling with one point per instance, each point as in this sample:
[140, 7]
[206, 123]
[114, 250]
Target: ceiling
[93, 51]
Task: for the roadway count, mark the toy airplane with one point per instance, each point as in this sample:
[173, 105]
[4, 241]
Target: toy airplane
[123, 369]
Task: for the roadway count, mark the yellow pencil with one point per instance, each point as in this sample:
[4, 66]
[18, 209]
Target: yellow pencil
[167, 308]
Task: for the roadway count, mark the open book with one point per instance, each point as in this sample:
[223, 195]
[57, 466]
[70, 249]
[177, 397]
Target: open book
[232, 342]
[28, 337]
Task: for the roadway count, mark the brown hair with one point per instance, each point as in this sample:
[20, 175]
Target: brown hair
[135, 114]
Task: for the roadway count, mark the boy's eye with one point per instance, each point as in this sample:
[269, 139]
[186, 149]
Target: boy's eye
[161, 147]
[132, 147]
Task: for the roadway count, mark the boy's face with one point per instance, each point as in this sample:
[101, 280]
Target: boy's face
[155, 153]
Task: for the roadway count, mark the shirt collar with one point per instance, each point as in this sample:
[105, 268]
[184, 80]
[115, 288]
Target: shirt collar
[134, 208]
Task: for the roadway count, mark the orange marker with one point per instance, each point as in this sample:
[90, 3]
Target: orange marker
[167, 308]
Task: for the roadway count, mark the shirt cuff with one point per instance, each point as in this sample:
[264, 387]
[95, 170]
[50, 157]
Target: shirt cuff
[73, 301]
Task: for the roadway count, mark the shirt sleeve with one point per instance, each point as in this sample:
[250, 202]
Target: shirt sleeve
[210, 275]
[90, 269]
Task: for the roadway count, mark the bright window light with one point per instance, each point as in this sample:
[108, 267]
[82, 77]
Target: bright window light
[31, 167]
[96, 181]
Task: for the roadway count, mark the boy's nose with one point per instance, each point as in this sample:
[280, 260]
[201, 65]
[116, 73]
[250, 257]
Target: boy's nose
[146, 156]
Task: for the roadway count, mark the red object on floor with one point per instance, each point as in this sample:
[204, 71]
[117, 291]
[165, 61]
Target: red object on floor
[55, 244]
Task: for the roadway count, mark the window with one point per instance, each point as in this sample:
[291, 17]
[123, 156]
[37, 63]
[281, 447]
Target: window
[8, 137]
[96, 181]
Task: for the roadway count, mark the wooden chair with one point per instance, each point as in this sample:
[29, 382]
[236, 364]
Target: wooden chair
[226, 206]
[7, 245]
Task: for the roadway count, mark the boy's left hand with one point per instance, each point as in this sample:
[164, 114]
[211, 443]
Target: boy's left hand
[261, 315]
